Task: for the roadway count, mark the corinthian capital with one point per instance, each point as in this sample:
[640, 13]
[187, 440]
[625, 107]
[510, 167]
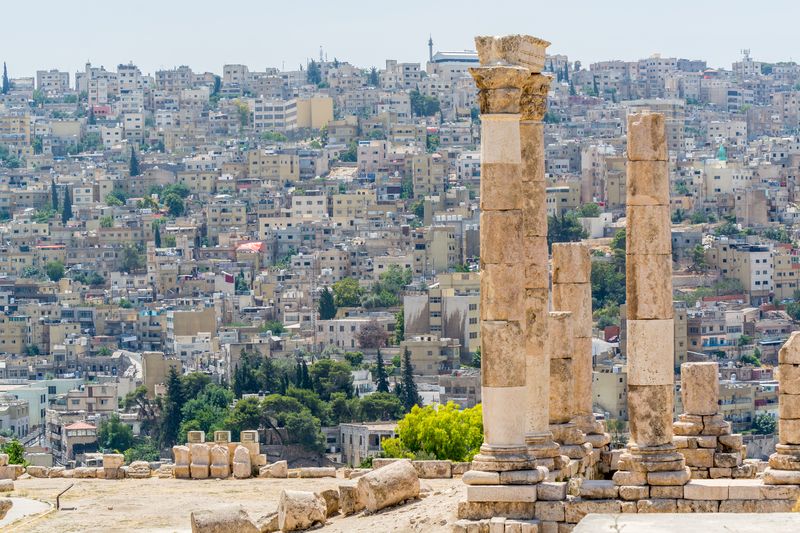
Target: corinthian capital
[500, 87]
[533, 101]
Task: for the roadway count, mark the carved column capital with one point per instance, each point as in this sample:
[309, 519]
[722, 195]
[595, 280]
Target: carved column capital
[533, 100]
[500, 88]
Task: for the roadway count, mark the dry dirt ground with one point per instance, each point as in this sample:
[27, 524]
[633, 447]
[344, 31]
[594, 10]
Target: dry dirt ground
[164, 505]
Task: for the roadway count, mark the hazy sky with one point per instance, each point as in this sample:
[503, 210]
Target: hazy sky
[206, 34]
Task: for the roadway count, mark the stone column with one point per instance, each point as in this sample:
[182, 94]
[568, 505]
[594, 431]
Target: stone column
[572, 291]
[503, 351]
[649, 307]
[784, 464]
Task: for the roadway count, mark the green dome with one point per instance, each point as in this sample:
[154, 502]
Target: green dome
[722, 153]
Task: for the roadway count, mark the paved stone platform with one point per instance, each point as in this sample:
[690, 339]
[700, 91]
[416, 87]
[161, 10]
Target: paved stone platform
[705, 522]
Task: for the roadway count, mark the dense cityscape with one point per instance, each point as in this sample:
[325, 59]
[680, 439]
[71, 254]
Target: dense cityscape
[294, 256]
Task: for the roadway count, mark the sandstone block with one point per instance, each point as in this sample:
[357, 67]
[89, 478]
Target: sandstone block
[195, 437]
[200, 454]
[628, 507]
[6, 485]
[561, 393]
[228, 519]
[657, 506]
[727, 460]
[572, 297]
[789, 405]
[199, 471]
[500, 132]
[351, 500]
[699, 457]
[706, 441]
[551, 490]
[700, 388]
[479, 477]
[686, 429]
[560, 327]
[774, 506]
[37, 471]
[789, 430]
[461, 468]
[389, 485]
[3, 459]
[178, 471]
[501, 234]
[56, 472]
[537, 271]
[649, 287]
[552, 511]
[139, 470]
[669, 492]
[737, 506]
[774, 476]
[278, 469]
[679, 477]
[242, 466]
[650, 234]
[598, 489]
[744, 471]
[534, 208]
[433, 469]
[572, 263]
[318, 471]
[634, 492]
[697, 506]
[647, 137]
[781, 461]
[501, 493]
[84, 472]
[749, 489]
[181, 455]
[650, 352]
[220, 468]
[779, 492]
[300, 510]
[503, 348]
[113, 460]
[481, 510]
[575, 510]
[719, 473]
[789, 377]
[498, 302]
[626, 477]
[705, 490]
[789, 353]
[523, 477]
[331, 497]
[650, 414]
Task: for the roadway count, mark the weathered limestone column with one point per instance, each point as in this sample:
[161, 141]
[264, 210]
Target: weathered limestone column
[702, 436]
[784, 464]
[649, 307]
[572, 291]
[503, 313]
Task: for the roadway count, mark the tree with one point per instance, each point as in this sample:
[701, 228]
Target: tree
[313, 73]
[15, 451]
[305, 430]
[347, 293]
[327, 307]
[589, 210]
[328, 377]
[157, 235]
[373, 79]
[134, 164]
[131, 258]
[446, 433]
[764, 424]
[113, 434]
[382, 379]
[699, 262]
[107, 221]
[54, 195]
[174, 204]
[399, 327]
[246, 414]
[410, 396]
[6, 83]
[173, 404]
[380, 406]
[143, 450]
[66, 212]
[54, 270]
[146, 410]
[564, 228]
[372, 335]
[423, 106]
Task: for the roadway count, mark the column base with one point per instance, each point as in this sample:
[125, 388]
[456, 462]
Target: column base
[567, 434]
[660, 465]
[502, 459]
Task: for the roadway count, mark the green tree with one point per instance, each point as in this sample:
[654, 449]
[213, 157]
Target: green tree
[157, 235]
[564, 228]
[208, 411]
[15, 451]
[114, 434]
[381, 378]
[305, 430]
[380, 406]
[589, 210]
[133, 166]
[347, 293]
[328, 377]
[423, 106]
[175, 204]
[173, 404]
[313, 73]
[373, 79]
[408, 386]
[446, 433]
[107, 221]
[399, 327]
[53, 195]
[142, 450]
[699, 262]
[764, 424]
[131, 258]
[66, 211]
[6, 83]
[54, 270]
[327, 307]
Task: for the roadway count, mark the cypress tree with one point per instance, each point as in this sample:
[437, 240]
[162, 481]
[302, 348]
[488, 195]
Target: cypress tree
[134, 165]
[306, 377]
[6, 83]
[172, 409]
[410, 396]
[382, 378]
[157, 235]
[54, 195]
[327, 307]
[298, 376]
[66, 212]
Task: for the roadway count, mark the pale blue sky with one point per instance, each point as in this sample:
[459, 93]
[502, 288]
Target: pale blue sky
[206, 34]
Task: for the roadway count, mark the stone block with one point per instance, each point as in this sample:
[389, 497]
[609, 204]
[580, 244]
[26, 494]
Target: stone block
[500, 133]
[84, 472]
[6, 485]
[700, 388]
[562, 400]
[55, 472]
[461, 468]
[744, 471]
[647, 184]
[433, 469]
[789, 377]
[789, 430]
[351, 500]
[38, 471]
[501, 493]
[626, 477]
[498, 302]
[534, 209]
[199, 471]
[481, 510]
[222, 437]
[180, 472]
[789, 405]
[682, 442]
[677, 477]
[773, 476]
[113, 460]
[575, 510]
[550, 511]
[634, 492]
[707, 441]
[537, 272]
[551, 490]
[719, 473]
[219, 520]
[779, 492]
[503, 348]
[782, 461]
[649, 234]
[500, 186]
[331, 497]
[687, 429]
[319, 471]
[572, 297]
[650, 414]
[628, 507]
[657, 506]
[727, 460]
[775, 506]
[298, 510]
[697, 506]
[3, 459]
[501, 235]
[572, 263]
[789, 354]
[195, 437]
[745, 489]
[668, 491]
[479, 477]
[705, 489]
[650, 352]
[181, 455]
[649, 287]
[699, 457]
[200, 454]
[389, 485]
[523, 477]
[598, 489]
[647, 137]
[737, 506]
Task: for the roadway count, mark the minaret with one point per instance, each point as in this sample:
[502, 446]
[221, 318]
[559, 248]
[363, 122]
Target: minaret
[430, 48]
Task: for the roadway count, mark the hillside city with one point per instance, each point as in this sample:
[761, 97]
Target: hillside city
[297, 251]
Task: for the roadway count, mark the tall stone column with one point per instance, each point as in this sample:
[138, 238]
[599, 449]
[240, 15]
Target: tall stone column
[649, 307]
[784, 464]
[503, 311]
